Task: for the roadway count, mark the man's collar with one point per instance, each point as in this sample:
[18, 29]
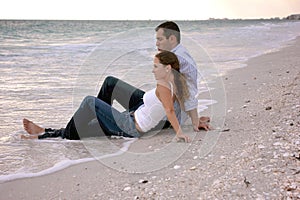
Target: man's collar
[175, 48]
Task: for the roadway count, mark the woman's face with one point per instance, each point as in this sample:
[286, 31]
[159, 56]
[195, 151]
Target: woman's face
[160, 71]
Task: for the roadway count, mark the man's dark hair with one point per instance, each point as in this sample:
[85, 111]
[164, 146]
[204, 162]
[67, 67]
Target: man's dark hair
[170, 28]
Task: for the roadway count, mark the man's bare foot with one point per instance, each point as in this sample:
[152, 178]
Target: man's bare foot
[31, 127]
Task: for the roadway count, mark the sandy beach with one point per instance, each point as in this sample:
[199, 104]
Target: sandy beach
[257, 155]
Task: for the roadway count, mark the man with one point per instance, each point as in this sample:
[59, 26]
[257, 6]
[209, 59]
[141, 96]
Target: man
[168, 38]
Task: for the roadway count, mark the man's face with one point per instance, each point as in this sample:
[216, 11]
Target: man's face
[162, 42]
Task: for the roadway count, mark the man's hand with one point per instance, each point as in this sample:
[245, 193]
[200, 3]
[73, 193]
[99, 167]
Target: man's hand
[204, 123]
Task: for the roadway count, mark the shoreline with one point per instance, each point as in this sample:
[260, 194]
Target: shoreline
[249, 161]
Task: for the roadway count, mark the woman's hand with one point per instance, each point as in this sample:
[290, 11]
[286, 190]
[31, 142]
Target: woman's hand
[181, 136]
[196, 127]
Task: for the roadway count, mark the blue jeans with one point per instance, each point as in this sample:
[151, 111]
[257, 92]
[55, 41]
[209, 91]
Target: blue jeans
[125, 94]
[109, 120]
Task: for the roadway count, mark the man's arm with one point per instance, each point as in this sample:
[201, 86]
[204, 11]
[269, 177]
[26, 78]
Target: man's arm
[194, 117]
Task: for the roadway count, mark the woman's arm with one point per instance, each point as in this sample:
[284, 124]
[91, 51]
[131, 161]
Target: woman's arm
[164, 95]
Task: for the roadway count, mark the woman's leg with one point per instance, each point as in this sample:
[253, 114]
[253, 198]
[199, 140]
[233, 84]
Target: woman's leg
[77, 127]
[34, 130]
[112, 89]
[127, 95]
[111, 121]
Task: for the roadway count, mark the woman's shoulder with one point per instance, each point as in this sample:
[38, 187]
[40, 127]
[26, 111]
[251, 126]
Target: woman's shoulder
[163, 85]
[165, 88]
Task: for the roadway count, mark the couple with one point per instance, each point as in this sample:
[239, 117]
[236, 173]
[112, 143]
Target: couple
[176, 74]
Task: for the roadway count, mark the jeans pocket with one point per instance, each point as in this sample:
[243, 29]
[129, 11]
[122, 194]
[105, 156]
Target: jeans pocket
[127, 125]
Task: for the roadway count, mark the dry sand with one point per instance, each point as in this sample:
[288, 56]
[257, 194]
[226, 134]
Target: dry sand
[256, 156]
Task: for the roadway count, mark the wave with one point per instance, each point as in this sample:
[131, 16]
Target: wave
[65, 164]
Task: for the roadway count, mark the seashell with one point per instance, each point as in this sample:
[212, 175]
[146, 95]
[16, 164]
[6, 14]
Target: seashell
[176, 167]
[127, 188]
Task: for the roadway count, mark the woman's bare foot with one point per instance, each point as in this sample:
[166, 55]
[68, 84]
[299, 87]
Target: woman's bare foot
[31, 127]
[29, 136]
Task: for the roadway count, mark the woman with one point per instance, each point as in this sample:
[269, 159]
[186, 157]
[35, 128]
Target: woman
[144, 111]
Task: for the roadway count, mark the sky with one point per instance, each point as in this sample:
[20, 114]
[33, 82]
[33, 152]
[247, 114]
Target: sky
[147, 10]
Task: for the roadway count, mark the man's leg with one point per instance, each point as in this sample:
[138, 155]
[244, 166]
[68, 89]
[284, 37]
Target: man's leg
[127, 95]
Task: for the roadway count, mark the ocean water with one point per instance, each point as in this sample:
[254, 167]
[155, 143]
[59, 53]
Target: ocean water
[47, 67]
